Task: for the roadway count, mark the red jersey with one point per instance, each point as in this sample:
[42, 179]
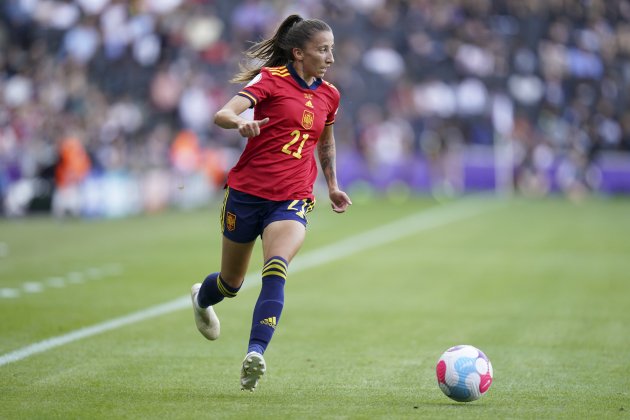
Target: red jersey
[279, 164]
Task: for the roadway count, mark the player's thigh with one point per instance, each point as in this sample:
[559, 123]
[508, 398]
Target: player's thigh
[235, 257]
[284, 228]
[283, 238]
[241, 216]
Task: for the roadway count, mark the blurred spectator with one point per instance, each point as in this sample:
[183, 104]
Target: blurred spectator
[382, 59]
[81, 42]
[72, 169]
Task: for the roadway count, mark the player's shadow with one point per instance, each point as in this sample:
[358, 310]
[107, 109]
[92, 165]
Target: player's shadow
[455, 405]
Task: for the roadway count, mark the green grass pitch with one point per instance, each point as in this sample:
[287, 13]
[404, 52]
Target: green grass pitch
[377, 294]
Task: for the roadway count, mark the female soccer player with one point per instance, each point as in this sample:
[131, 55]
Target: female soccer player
[270, 190]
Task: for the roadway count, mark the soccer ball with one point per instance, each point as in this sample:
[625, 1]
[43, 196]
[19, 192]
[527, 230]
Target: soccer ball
[464, 373]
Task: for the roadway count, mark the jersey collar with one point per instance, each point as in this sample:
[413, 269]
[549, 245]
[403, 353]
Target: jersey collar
[301, 81]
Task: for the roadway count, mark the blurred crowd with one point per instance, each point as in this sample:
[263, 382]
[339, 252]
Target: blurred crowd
[106, 105]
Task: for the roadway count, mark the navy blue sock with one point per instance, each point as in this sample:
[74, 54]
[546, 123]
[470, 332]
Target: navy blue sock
[269, 305]
[213, 290]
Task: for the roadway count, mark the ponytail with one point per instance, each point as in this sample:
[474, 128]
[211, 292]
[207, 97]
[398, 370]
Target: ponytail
[278, 50]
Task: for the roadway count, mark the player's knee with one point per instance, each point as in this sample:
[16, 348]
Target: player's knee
[234, 282]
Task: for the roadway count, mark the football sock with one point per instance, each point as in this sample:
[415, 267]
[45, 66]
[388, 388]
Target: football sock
[213, 290]
[269, 305]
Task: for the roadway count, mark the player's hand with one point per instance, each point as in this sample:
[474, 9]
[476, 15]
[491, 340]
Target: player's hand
[251, 128]
[339, 201]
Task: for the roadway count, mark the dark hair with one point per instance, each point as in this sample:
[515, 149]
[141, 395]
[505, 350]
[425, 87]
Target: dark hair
[293, 32]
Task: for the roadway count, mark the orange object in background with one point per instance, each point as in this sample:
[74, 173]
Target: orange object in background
[185, 152]
[74, 163]
[188, 157]
[214, 165]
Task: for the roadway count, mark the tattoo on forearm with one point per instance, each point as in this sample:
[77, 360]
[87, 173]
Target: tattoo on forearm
[326, 152]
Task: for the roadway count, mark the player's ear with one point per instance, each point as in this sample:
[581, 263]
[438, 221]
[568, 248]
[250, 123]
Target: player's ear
[298, 54]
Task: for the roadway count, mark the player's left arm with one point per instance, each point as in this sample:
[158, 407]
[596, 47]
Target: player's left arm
[327, 153]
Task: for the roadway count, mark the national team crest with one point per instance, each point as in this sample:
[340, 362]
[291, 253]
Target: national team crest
[230, 221]
[307, 119]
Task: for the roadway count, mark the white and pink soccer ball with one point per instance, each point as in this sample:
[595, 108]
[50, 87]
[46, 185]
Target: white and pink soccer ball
[464, 373]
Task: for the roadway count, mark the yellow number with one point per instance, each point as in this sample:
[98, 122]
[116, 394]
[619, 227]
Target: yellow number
[296, 137]
[300, 213]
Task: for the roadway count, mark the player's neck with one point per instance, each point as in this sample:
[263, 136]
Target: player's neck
[299, 69]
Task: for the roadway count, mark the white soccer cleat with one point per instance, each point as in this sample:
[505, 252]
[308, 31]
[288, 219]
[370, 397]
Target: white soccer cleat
[207, 321]
[252, 370]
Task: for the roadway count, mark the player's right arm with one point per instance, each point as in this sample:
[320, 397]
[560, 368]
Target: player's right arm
[229, 117]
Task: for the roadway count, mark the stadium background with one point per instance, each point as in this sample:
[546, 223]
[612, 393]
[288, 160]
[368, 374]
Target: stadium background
[97, 320]
[106, 105]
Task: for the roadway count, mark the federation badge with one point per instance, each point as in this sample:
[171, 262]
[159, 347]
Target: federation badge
[307, 119]
[230, 221]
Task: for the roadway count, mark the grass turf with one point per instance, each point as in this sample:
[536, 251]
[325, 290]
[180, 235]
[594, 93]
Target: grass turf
[541, 286]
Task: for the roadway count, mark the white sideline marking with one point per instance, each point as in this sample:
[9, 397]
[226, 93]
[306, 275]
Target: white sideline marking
[76, 335]
[429, 219]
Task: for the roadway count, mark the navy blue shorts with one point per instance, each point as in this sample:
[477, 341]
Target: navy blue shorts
[245, 216]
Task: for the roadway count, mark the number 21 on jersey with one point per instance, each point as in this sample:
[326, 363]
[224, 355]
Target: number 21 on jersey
[287, 148]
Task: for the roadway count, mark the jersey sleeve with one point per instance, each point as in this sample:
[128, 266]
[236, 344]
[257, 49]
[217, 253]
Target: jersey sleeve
[259, 88]
[330, 118]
